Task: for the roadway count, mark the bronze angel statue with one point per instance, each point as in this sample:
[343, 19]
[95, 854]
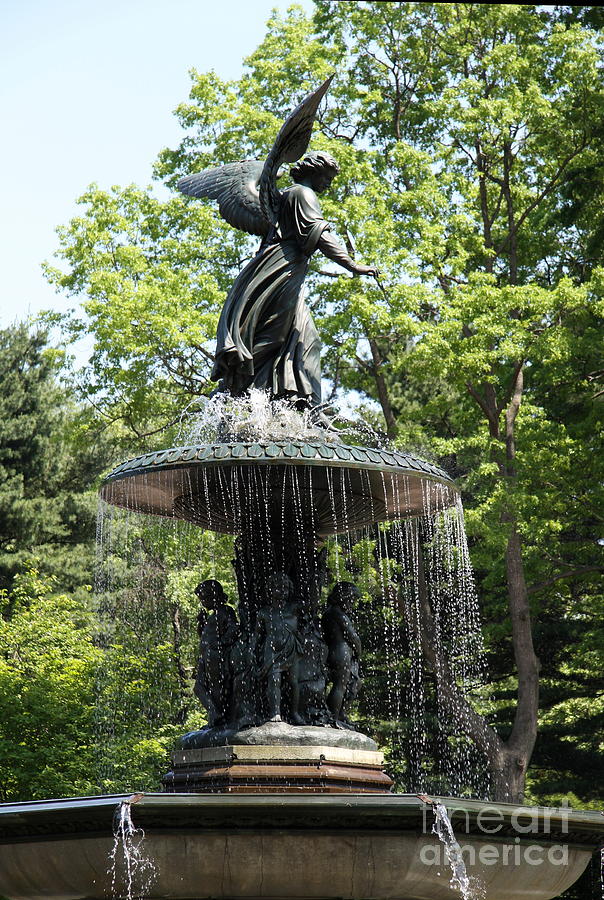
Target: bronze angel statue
[266, 337]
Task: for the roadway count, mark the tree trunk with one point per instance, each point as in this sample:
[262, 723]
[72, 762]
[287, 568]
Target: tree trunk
[507, 777]
[511, 240]
[524, 732]
[382, 389]
[508, 760]
[484, 207]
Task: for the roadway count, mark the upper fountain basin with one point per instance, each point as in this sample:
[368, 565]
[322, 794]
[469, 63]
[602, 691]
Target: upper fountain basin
[332, 487]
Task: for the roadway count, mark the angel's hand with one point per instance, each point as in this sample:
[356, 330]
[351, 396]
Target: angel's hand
[373, 271]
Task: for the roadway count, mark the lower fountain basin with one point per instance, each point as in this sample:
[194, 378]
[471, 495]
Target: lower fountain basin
[280, 846]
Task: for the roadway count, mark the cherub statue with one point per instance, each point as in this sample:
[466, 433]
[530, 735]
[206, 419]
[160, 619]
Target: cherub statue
[266, 337]
[218, 633]
[312, 681]
[344, 648]
[280, 645]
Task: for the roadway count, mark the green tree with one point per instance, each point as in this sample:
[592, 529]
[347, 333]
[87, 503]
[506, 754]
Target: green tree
[47, 704]
[47, 507]
[462, 130]
[517, 113]
[146, 630]
[153, 274]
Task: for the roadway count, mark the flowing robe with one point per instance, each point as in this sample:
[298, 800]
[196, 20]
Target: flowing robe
[266, 337]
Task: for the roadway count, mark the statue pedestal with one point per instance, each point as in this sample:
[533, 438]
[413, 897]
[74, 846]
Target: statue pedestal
[277, 768]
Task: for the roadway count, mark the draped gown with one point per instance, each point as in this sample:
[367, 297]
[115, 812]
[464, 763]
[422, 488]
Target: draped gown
[266, 337]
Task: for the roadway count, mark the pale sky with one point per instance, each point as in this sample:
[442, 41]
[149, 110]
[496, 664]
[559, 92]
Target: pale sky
[87, 93]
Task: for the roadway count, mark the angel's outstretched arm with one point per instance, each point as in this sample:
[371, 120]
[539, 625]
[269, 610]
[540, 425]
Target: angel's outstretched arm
[333, 250]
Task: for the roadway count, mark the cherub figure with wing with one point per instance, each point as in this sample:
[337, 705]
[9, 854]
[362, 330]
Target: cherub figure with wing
[266, 337]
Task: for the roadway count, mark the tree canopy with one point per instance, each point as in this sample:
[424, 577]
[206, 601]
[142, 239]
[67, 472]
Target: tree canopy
[47, 466]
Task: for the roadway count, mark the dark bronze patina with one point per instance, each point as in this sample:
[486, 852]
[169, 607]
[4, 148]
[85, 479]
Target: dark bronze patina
[266, 337]
[344, 648]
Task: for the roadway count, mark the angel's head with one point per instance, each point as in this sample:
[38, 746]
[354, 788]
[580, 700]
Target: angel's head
[318, 169]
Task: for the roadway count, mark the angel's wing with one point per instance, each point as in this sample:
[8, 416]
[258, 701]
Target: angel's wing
[235, 186]
[290, 145]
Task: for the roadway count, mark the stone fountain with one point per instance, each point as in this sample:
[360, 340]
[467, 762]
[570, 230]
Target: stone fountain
[279, 795]
[263, 674]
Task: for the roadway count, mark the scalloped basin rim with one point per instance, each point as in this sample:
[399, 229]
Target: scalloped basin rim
[280, 452]
[338, 487]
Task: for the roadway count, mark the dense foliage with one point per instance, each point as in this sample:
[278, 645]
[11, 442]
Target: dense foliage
[47, 467]
[470, 142]
[47, 698]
